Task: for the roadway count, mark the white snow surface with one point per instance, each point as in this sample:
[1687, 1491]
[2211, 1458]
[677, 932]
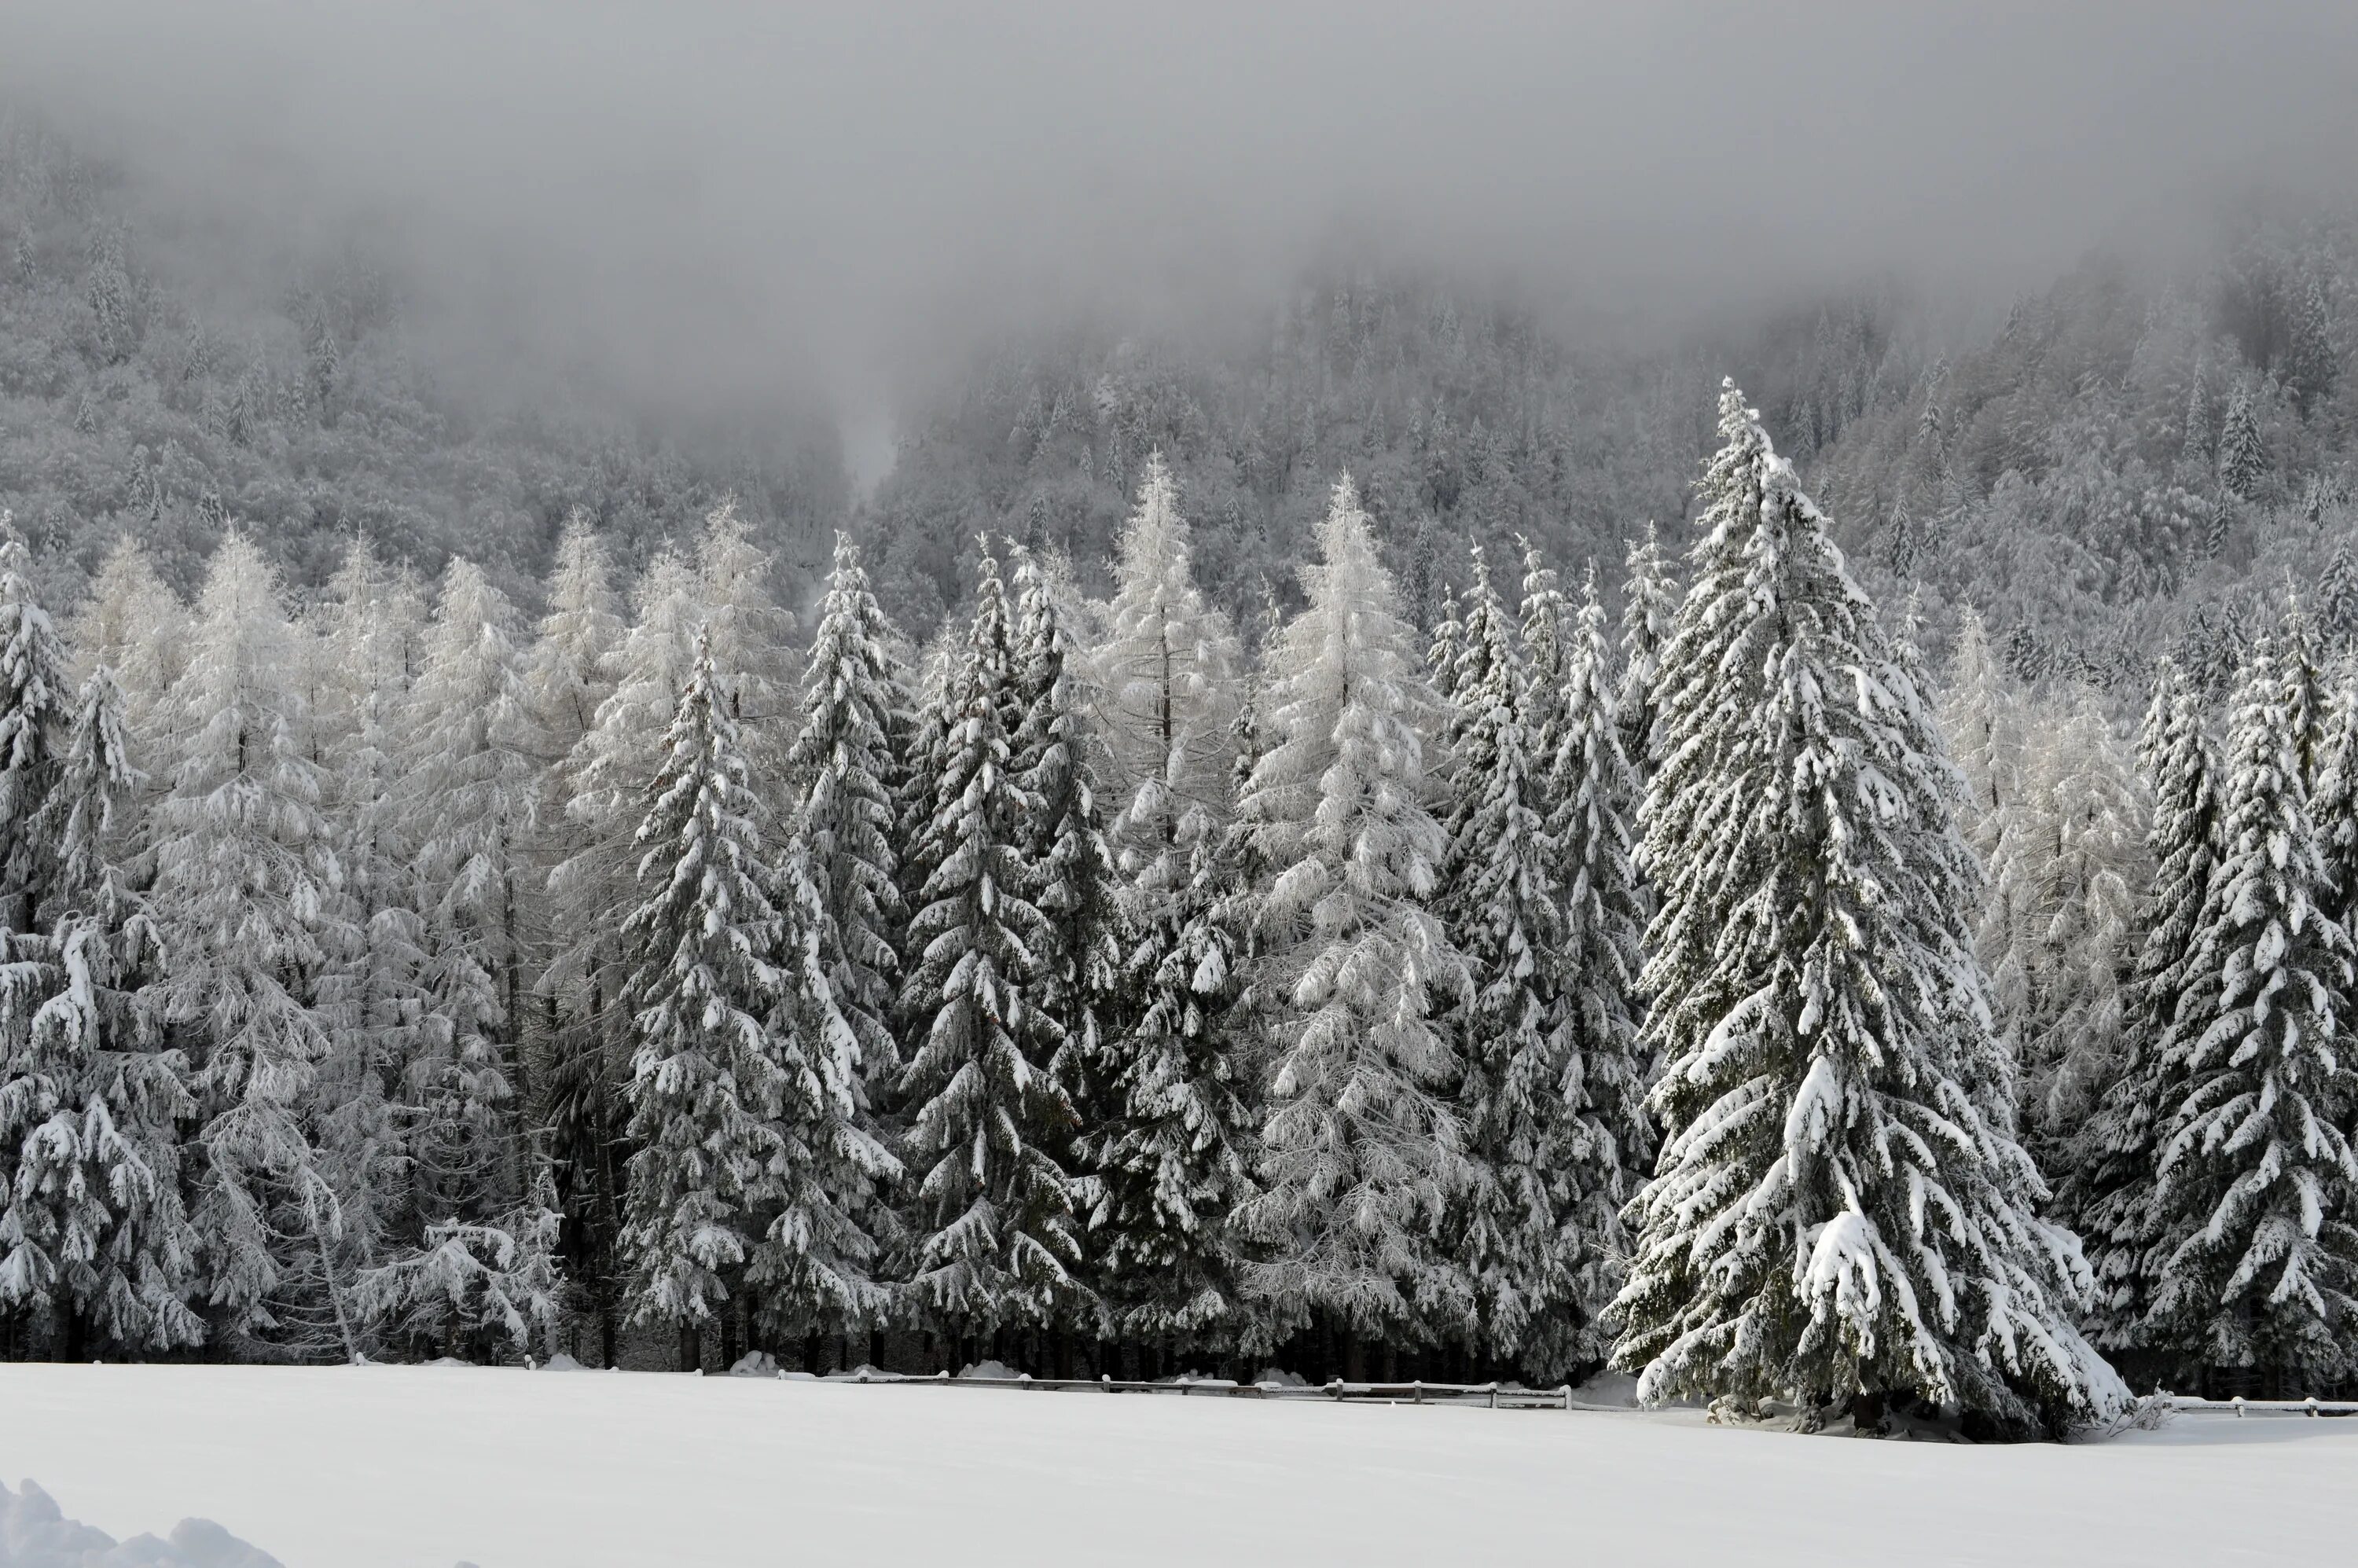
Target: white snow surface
[424, 1467]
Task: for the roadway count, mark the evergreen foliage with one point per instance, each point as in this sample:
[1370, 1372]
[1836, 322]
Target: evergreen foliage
[1840, 1210]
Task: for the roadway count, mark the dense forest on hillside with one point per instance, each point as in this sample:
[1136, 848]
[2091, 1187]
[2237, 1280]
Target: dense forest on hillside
[301, 398]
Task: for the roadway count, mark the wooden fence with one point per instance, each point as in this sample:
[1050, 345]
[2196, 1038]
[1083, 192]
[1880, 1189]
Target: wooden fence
[1489, 1396]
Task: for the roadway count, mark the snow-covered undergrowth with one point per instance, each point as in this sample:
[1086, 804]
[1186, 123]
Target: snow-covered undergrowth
[424, 1467]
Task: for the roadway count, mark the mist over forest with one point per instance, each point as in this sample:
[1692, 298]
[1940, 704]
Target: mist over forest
[441, 276]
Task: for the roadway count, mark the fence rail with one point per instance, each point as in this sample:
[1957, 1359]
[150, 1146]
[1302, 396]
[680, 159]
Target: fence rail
[1489, 1396]
[2186, 1404]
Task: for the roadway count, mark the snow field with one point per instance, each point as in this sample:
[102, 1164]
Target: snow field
[422, 1468]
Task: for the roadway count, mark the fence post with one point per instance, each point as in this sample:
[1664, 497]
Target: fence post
[2312, 1403]
[1494, 1394]
[2239, 1407]
[1567, 1396]
[1335, 1387]
[1416, 1392]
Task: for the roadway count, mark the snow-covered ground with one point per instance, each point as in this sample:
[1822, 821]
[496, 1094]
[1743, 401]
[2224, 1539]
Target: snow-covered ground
[423, 1467]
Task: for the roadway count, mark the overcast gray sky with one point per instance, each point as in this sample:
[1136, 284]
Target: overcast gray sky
[722, 190]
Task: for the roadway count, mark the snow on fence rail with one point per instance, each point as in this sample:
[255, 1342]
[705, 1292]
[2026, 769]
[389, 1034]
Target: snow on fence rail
[2186, 1404]
[1491, 1396]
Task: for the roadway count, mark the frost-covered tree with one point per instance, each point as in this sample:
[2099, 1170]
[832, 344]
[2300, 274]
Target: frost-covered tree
[93, 1104]
[751, 1173]
[570, 674]
[1502, 906]
[130, 623]
[246, 905]
[2333, 805]
[753, 638]
[2107, 1192]
[2243, 457]
[1840, 1211]
[1169, 679]
[1169, 1151]
[1361, 1149]
[2257, 1253]
[1602, 1154]
[365, 646]
[1649, 611]
[2084, 829]
[1068, 864]
[35, 698]
[464, 807]
[1169, 1158]
[854, 704]
[996, 1242]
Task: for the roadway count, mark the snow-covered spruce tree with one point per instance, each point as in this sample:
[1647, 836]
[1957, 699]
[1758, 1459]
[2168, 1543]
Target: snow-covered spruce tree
[1649, 609]
[1168, 1146]
[94, 1106]
[1602, 1153]
[2301, 667]
[465, 804]
[844, 768]
[569, 673]
[1068, 864]
[2333, 806]
[995, 1238]
[2258, 1254]
[1361, 1149]
[2091, 878]
[245, 903]
[1840, 1212]
[1502, 903]
[2337, 603]
[603, 777]
[751, 1173]
[2243, 457]
[35, 696]
[2107, 1193]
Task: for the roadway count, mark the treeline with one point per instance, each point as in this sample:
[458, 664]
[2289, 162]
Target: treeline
[1079, 991]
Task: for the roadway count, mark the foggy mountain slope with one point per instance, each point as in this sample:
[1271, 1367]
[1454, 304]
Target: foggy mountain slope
[315, 402]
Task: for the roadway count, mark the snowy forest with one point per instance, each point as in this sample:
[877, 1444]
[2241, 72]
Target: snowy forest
[1418, 846]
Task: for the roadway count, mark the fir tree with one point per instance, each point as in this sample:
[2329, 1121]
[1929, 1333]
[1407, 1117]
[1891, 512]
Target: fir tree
[2108, 1191]
[2258, 1249]
[1169, 1152]
[996, 1242]
[751, 1172]
[1649, 608]
[1361, 1149]
[1603, 1153]
[853, 704]
[570, 674]
[1069, 867]
[2243, 459]
[1840, 1211]
[92, 1103]
[2337, 603]
[34, 697]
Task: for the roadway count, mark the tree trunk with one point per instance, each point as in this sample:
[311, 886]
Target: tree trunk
[691, 1348]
